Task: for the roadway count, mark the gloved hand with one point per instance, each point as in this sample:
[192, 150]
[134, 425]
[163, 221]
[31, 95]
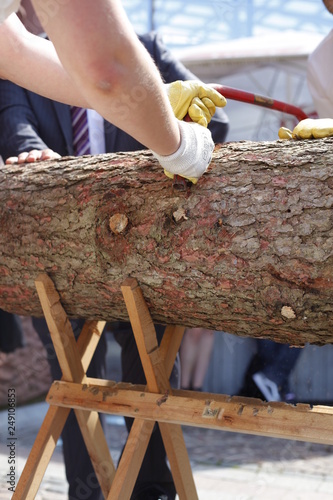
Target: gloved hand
[309, 129]
[195, 98]
[193, 155]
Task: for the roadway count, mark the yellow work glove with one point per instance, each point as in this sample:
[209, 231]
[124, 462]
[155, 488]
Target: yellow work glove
[309, 129]
[194, 98]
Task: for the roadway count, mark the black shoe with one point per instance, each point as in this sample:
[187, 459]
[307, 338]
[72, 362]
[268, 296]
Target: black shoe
[152, 492]
[250, 390]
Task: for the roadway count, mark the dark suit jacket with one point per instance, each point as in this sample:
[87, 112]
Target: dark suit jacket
[29, 121]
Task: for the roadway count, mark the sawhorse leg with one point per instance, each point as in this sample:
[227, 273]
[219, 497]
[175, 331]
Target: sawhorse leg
[74, 359]
[157, 363]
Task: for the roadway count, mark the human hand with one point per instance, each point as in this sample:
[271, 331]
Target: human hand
[194, 98]
[309, 129]
[194, 154]
[33, 156]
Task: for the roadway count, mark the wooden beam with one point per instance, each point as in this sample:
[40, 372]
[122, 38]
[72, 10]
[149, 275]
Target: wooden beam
[212, 411]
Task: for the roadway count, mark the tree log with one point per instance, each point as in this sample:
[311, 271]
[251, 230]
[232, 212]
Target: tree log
[248, 250]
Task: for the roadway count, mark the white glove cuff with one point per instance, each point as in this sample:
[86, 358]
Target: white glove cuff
[194, 153]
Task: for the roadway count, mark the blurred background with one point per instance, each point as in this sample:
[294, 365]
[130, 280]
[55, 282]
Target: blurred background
[255, 45]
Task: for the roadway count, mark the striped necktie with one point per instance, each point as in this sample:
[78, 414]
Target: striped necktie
[81, 142]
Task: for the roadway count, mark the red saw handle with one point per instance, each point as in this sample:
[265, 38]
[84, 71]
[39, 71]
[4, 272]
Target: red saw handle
[259, 100]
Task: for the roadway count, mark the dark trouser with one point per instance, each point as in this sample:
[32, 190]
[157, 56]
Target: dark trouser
[278, 360]
[11, 335]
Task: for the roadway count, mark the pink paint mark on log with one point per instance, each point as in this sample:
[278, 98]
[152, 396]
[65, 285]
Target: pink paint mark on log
[151, 246]
[264, 244]
[190, 257]
[225, 285]
[85, 195]
[4, 271]
[276, 321]
[12, 292]
[322, 283]
[111, 289]
[163, 259]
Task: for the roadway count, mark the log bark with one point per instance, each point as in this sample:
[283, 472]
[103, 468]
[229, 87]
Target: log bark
[248, 250]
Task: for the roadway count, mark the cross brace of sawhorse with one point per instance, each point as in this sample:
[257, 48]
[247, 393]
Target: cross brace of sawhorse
[74, 358]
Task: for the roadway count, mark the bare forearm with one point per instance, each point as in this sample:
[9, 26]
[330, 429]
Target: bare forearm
[101, 52]
[32, 62]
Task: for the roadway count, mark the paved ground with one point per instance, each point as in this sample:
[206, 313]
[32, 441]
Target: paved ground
[226, 465]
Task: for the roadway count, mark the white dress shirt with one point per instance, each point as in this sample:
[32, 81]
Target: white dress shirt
[7, 7]
[96, 132]
[320, 77]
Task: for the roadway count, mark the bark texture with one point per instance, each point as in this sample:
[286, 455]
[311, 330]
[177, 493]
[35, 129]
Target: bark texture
[248, 250]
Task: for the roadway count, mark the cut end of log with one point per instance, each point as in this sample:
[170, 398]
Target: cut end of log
[118, 223]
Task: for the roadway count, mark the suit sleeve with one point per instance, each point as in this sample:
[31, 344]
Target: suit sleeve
[18, 124]
[172, 69]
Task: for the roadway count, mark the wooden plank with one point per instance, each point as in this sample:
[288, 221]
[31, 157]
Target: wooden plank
[143, 327]
[131, 460]
[69, 355]
[41, 453]
[98, 449]
[54, 421]
[70, 362]
[175, 448]
[212, 411]
[60, 330]
[88, 340]
[170, 344]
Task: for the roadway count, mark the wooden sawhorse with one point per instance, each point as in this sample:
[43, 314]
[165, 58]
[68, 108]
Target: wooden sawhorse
[155, 402]
[74, 358]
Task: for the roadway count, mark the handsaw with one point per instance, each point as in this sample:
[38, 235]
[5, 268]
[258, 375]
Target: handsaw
[260, 100]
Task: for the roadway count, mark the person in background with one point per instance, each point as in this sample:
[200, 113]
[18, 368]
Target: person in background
[320, 83]
[320, 73]
[37, 126]
[195, 353]
[267, 375]
[11, 334]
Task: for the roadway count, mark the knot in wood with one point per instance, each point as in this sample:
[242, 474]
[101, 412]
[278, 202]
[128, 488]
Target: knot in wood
[118, 223]
[179, 214]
